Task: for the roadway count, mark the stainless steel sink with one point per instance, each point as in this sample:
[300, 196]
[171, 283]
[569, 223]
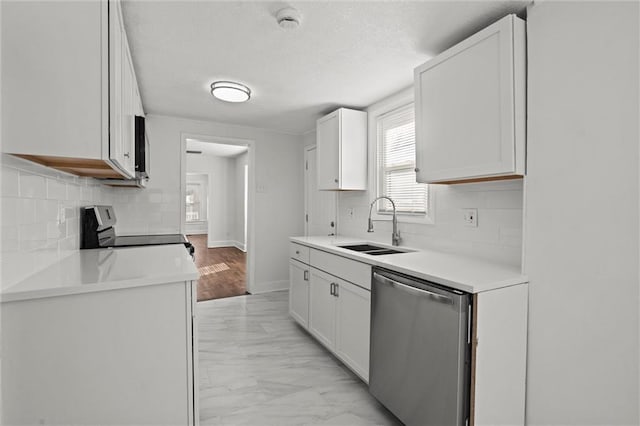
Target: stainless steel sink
[371, 249]
[363, 247]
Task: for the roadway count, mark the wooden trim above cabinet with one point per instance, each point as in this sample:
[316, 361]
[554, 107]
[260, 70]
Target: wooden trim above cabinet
[76, 166]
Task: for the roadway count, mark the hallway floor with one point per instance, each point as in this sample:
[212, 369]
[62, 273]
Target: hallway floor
[222, 270]
[258, 367]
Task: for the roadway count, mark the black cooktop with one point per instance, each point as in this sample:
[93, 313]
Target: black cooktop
[148, 240]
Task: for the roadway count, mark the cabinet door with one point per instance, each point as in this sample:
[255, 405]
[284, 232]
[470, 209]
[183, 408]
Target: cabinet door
[120, 94]
[52, 78]
[470, 107]
[129, 111]
[322, 307]
[328, 141]
[353, 310]
[299, 292]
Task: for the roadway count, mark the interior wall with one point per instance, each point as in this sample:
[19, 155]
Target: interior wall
[239, 232]
[221, 188]
[277, 194]
[582, 214]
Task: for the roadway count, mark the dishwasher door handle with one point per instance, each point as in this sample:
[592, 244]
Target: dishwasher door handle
[413, 290]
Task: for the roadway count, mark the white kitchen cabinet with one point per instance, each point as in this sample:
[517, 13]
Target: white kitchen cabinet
[353, 312]
[499, 356]
[77, 114]
[322, 308]
[299, 292]
[127, 355]
[330, 296]
[342, 150]
[470, 108]
[123, 90]
[339, 318]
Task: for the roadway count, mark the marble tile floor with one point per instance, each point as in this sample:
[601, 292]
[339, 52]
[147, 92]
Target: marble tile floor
[258, 367]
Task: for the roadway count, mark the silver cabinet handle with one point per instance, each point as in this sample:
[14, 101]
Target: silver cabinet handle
[297, 251]
[126, 154]
[416, 170]
[331, 288]
[306, 275]
[335, 180]
[336, 293]
[413, 290]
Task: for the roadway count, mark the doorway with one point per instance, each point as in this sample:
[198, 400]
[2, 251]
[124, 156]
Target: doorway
[215, 213]
[320, 206]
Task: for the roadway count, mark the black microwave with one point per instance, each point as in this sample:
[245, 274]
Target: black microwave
[142, 149]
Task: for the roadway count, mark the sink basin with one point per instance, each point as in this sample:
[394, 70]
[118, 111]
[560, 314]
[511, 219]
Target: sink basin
[384, 251]
[362, 247]
[371, 249]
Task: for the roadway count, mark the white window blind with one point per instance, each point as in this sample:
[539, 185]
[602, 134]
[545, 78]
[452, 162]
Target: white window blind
[396, 163]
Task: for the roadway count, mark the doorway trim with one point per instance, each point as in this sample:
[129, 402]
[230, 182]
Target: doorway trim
[250, 234]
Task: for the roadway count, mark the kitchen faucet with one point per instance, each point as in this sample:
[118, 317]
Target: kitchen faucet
[395, 235]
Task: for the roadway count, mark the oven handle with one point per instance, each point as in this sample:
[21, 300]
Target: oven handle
[413, 290]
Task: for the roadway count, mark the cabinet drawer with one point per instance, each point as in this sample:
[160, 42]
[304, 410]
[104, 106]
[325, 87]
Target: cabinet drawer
[350, 270]
[299, 252]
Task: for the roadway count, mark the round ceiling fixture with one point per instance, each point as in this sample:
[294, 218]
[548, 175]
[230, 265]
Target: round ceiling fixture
[288, 18]
[230, 91]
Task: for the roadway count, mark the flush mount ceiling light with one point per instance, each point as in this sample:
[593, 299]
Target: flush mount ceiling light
[229, 91]
[288, 18]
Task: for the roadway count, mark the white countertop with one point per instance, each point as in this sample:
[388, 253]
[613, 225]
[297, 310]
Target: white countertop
[461, 272]
[87, 271]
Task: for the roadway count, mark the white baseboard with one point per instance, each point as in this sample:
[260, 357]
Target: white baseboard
[239, 246]
[215, 244]
[270, 286]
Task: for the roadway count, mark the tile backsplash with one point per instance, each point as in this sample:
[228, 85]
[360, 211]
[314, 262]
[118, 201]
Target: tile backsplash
[498, 236]
[39, 216]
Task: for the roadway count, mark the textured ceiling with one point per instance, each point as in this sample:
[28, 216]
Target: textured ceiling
[345, 53]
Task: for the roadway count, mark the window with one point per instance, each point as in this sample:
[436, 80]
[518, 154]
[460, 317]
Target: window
[196, 198]
[396, 163]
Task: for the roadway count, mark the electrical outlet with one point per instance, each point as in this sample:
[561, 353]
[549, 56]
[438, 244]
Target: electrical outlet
[471, 217]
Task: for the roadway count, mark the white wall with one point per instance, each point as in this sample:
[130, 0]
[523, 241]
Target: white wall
[221, 197]
[155, 209]
[582, 221]
[239, 202]
[277, 207]
[40, 215]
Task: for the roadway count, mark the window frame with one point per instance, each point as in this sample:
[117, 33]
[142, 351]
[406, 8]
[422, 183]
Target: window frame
[375, 112]
[202, 181]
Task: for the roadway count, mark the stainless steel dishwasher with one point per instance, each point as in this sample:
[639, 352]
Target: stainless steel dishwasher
[420, 359]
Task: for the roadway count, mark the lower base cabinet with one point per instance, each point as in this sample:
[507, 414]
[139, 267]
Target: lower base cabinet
[123, 356]
[353, 311]
[335, 311]
[339, 317]
[299, 292]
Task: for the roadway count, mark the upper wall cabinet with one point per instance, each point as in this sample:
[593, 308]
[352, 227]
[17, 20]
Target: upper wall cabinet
[470, 108]
[69, 91]
[342, 150]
